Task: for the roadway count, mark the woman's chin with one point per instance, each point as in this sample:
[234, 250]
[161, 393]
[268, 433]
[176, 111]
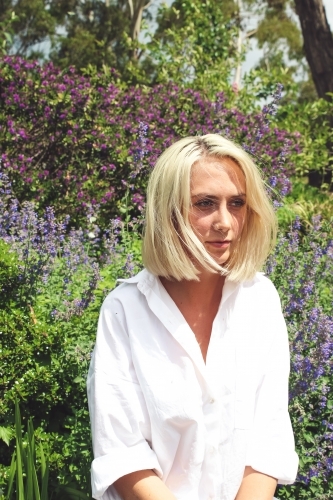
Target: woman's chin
[221, 260]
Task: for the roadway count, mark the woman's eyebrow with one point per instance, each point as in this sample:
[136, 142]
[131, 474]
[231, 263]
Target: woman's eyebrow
[213, 197]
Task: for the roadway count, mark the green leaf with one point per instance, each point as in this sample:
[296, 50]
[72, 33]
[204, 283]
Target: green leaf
[19, 474]
[12, 471]
[75, 494]
[35, 483]
[29, 473]
[44, 473]
[6, 434]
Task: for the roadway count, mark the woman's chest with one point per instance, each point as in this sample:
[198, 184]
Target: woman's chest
[178, 384]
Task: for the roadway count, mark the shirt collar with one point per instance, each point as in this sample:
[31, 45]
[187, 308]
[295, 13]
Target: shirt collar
[145, 276]
[137, 278]
[166, 311]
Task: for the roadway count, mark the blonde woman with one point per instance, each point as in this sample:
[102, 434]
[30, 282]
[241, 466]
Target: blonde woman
[188, 384]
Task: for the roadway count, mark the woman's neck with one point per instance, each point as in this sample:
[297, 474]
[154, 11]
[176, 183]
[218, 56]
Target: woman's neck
[198, 301]
[206, 291]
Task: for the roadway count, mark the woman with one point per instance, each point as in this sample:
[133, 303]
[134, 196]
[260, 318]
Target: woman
[188, 384]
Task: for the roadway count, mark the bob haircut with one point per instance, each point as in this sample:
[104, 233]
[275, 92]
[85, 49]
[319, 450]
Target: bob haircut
[170, 247]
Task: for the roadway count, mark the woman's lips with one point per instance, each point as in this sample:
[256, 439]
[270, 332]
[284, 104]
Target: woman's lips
[219, 244]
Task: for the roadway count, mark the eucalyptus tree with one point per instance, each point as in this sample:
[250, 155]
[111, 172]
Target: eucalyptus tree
[76, 32]
[318, 44]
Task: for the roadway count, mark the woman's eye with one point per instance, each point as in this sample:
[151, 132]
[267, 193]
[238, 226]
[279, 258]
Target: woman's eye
[210, 204]
[238, 203]
[204, 204]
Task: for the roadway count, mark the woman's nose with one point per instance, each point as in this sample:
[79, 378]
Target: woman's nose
[223, 219]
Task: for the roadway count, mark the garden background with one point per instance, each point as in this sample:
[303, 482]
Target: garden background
[91, 92]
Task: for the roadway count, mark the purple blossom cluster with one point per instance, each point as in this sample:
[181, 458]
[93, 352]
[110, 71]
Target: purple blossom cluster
[62, 262]
[302, 270]
[72, 141]
[47, 250]
[35, 239]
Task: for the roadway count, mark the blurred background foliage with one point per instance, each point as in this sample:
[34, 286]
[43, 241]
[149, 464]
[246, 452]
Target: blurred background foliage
[91, 91]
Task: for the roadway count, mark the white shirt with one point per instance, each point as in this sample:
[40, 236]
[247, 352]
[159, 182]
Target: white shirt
[155, 404]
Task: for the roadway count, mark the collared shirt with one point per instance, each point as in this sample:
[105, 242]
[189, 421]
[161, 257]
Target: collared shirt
[155, 404]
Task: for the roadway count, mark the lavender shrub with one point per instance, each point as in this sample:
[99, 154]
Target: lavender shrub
[302, 270]
[50, 277]
[43, 250]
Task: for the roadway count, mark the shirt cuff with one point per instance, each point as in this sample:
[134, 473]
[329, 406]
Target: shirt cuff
[283, 468]
[106, 469]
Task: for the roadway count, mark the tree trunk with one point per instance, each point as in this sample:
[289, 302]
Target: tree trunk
[136, 10]
[318, 44]
[318, 47]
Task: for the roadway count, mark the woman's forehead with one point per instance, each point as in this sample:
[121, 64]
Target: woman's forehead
[213, 169]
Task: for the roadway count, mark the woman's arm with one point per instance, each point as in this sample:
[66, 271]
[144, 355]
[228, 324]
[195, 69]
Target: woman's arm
[256, 486]
[142, 485]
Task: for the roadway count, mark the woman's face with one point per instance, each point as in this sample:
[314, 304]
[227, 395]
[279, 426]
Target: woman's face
[218, 205]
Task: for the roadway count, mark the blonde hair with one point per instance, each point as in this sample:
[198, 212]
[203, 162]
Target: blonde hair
[170, 247]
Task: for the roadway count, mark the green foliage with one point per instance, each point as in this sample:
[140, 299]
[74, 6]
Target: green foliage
[313, 122]
[305, 202]
[9, 274]
[309, 119]
[24, 468]
[45, 352]
[79, 32]
[278, 28]
[195, 44]
[40, 361]
[7, 20]
[27, 463]
[34, 23]
[277, 33]
[94, 33]
[194, 41]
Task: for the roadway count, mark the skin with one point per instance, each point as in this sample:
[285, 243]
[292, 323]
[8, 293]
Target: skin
[217, 216]
[142, 485]
[218, 211]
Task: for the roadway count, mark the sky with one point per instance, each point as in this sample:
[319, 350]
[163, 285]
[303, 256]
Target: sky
[254, 54]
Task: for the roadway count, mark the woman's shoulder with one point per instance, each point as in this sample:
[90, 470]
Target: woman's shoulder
[257, 309]
[260, 283]
[261, 290]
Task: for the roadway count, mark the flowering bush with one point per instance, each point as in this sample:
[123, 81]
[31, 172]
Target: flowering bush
[49, 279]
[302, 270]
[69, 140]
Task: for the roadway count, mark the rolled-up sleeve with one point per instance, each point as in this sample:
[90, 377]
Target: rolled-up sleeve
[271, 448]
[119, 418]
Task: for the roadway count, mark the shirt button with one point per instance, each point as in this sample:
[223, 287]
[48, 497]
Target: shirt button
[212, 400]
